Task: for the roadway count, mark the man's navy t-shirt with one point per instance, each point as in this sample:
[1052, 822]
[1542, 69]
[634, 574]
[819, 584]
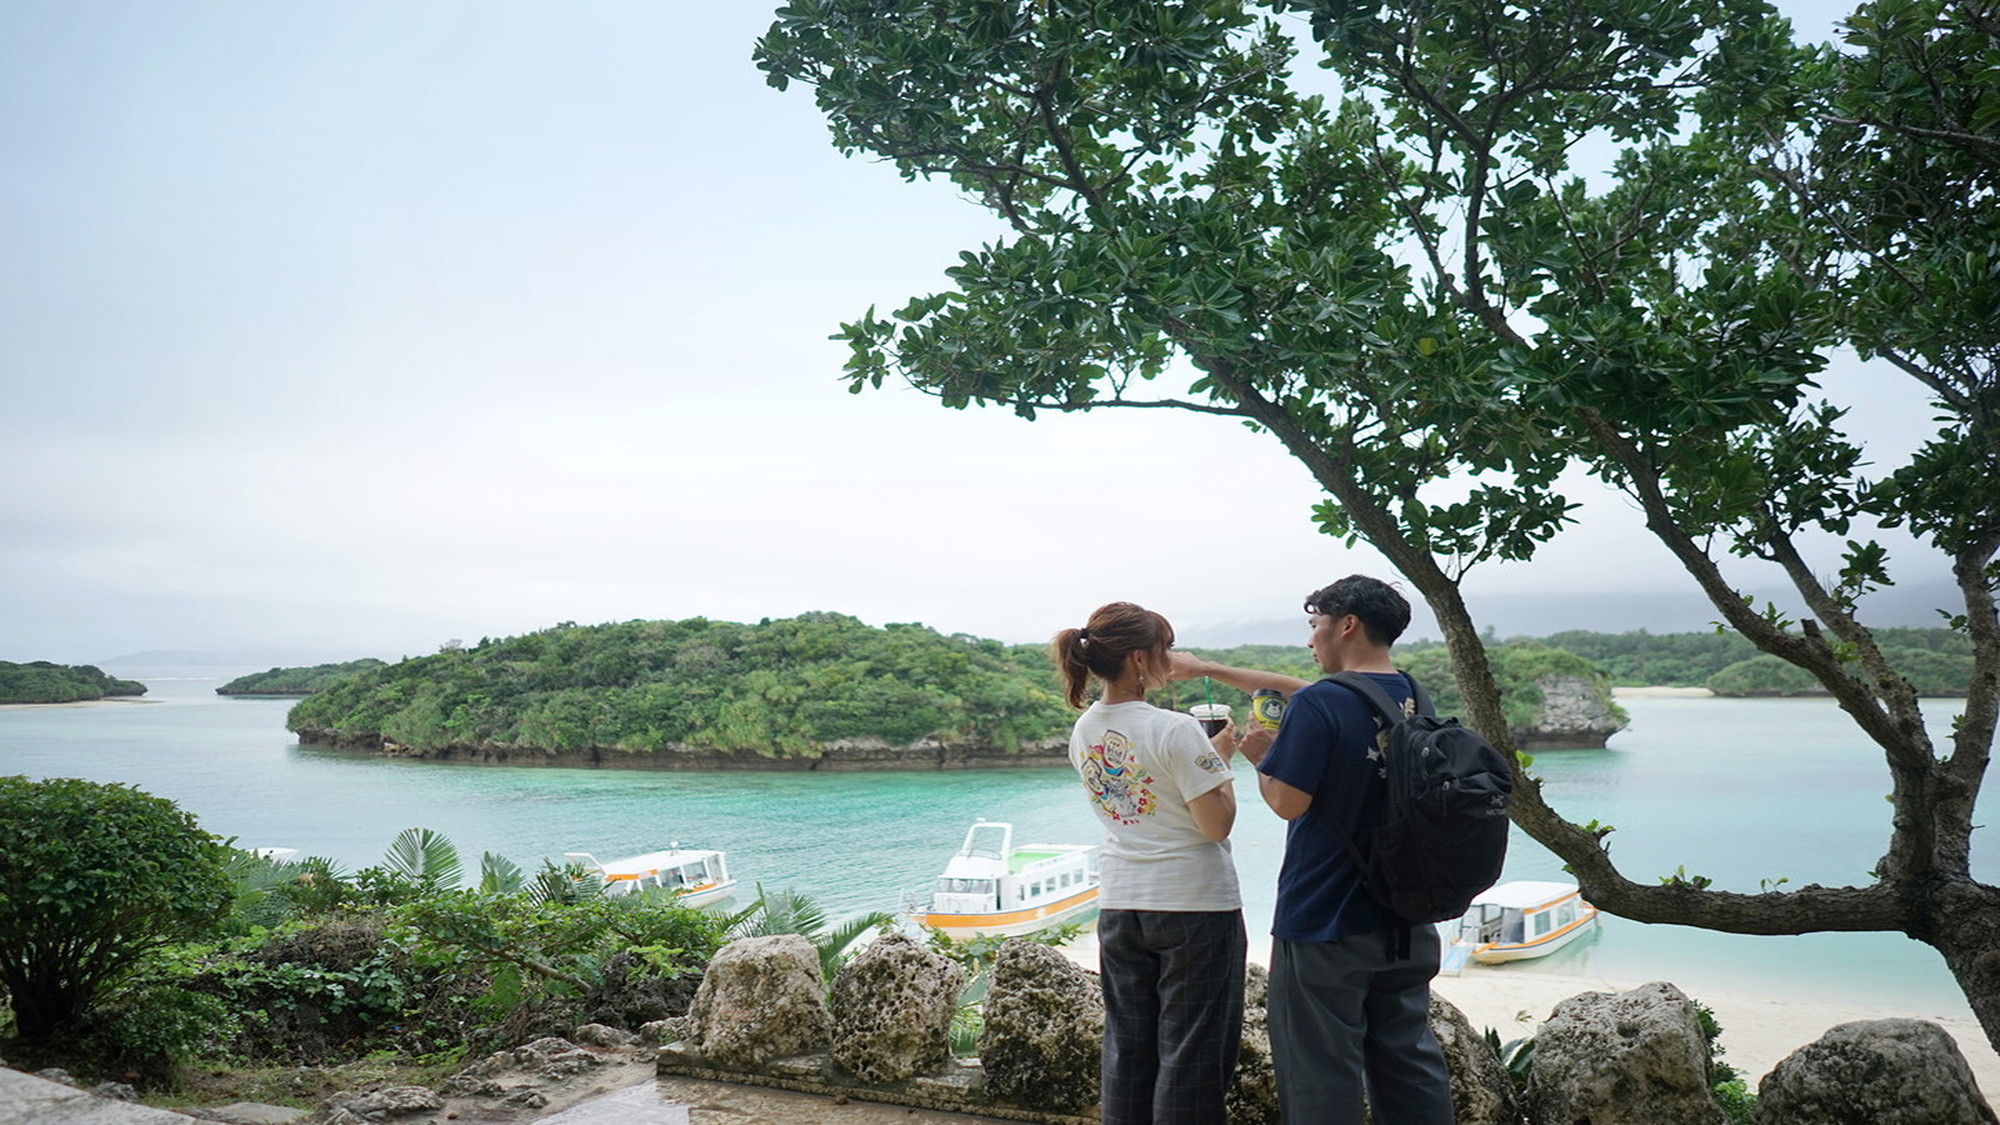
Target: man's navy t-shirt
[1326, 747]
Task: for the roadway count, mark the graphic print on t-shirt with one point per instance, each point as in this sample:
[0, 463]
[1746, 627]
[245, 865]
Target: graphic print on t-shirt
[1119, 785]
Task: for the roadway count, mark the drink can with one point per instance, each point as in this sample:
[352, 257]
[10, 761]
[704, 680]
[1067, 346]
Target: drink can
[1267, 707]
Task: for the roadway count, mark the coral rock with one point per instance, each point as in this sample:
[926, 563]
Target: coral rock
[1874, 1072]
[1629, 1058]
[1482, 1093]
[892, 1008]
[761, 999]
[1043, 1039]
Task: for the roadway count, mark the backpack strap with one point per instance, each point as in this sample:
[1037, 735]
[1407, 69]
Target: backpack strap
[1368, 689]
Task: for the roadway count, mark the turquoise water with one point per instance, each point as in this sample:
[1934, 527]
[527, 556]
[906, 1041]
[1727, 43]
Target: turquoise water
[1737, 790]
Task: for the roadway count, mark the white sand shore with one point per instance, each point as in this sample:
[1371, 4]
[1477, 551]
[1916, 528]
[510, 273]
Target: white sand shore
[123, 702]
[1757, 1031]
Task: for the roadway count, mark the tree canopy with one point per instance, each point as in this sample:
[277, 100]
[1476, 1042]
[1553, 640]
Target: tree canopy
[92, 879]
[778, 688]
[1475, 252]
[296, 681]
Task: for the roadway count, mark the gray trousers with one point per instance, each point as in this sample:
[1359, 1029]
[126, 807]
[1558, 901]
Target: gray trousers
[1347, 1019]
[1173, 1014]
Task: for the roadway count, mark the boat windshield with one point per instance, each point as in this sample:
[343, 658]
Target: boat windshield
[988, 841]
[965, 886]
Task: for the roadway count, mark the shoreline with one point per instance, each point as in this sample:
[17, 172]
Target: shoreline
[121, 701]
[1758, 1031]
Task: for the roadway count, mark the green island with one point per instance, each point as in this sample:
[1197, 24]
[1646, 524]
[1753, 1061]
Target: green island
[819, 691]
[296, 681]
[1937, 662]
[826, 691]
[42, 682]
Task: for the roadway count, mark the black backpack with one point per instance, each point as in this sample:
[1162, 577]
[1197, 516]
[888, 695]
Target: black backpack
[1441, 821]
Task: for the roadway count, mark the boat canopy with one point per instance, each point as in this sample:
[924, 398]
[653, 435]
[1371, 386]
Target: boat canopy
[1521, 896]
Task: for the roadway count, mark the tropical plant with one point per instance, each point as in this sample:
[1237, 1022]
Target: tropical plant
[93, 878]
[789, 911]
[426, 859]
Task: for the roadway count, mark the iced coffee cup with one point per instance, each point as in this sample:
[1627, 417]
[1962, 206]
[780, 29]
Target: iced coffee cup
[1213, 717]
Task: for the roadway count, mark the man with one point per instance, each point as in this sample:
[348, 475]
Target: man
[1350, 986]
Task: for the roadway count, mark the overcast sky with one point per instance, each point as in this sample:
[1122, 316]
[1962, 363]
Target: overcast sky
[355, 328]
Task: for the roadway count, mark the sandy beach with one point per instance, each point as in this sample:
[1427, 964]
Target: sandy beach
[1757, 1031]
[76, 703]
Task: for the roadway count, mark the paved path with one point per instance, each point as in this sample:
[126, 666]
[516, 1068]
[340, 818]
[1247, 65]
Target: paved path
[690, 1101]
[28, 1100]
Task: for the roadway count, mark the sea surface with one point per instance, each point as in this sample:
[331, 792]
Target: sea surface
[1740, 791]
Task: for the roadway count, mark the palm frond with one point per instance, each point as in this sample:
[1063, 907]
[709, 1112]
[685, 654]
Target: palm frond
[499, 875]
[424, 857]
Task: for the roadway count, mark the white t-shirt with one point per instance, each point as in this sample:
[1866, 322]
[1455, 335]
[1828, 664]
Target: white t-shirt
[1141, 766]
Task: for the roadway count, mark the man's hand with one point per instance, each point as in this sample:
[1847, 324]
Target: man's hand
[1256, 744]
[1185, 665]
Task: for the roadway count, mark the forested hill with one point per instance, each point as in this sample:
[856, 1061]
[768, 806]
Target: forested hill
[296, 681]
[1937, 662]
[699, 692]
[43, 682]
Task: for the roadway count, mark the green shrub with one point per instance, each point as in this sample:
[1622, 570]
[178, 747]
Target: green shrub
[93, 878]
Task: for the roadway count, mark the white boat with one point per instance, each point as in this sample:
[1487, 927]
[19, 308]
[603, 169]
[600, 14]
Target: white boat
[700, 876]
[991, 887]
[1516, 921]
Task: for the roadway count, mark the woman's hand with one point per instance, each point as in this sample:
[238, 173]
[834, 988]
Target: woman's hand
[1225, 740]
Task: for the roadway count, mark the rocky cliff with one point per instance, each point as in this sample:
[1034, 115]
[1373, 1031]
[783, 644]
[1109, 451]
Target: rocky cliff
[1576, 714]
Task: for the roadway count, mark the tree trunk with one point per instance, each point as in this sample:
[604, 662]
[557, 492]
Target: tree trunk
[1963, 922]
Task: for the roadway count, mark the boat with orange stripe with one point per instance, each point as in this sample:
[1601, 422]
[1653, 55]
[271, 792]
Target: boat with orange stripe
[990, 887]
[700, 876]
[1519, 920]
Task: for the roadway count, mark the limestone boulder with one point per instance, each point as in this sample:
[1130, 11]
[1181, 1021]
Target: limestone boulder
[1044, 1030]
[603, 1035]
[1628, 1058]
[1253, 1094]
[762, 998]
[1481, 1091]
[1874, 1072]
[892, 1007]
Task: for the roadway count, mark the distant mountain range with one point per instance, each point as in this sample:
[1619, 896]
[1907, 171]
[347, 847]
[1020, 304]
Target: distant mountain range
[230, 658]
[1539, 615]
[1507, 615]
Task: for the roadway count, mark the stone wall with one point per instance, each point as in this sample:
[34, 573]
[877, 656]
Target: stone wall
[766, 1018]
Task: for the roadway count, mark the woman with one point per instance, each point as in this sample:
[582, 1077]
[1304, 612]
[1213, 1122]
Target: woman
[1170, 928]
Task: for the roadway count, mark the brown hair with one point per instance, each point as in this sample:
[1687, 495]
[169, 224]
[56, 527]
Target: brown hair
[1100, 648]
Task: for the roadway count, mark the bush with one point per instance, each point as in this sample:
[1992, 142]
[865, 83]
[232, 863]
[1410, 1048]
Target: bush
[92, 878]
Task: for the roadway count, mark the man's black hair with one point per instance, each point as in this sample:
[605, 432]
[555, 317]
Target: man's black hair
[1384, 613]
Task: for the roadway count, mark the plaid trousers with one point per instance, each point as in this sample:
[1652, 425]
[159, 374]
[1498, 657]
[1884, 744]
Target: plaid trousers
[1173, 1013]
